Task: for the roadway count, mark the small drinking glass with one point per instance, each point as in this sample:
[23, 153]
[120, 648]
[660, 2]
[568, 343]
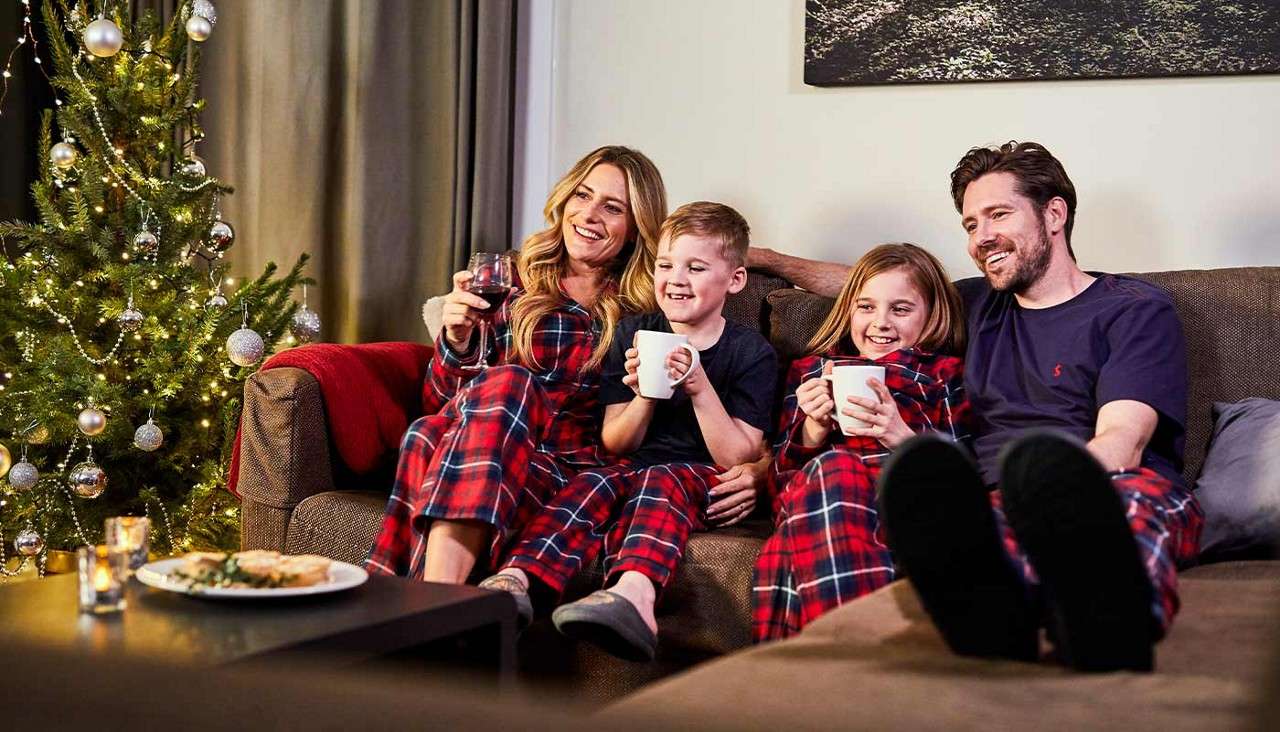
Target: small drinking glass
[103, 573]
[491, 280]
[131, 535]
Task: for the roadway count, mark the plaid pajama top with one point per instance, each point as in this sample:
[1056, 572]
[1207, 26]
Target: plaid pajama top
[929, 390]
[562, 345]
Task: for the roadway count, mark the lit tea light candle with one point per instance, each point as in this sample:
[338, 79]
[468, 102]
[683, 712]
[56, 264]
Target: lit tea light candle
[102, 572]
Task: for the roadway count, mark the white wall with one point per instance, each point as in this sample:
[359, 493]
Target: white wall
[1171, 173]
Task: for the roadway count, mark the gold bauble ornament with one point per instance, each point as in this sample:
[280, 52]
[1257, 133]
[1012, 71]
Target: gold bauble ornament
[6, 460]
[63, 155]
[199, 28]
[92, 421]
[103, 38]
[38, 435]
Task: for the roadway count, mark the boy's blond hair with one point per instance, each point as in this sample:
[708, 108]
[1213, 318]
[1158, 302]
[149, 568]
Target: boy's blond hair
[710, 219]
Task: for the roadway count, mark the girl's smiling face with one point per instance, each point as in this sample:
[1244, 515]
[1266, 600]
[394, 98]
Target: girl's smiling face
[888, 314]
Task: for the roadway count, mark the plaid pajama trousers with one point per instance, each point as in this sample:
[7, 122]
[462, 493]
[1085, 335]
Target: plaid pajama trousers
[828, 548]
[642, 515]
[1165, 519]
[457, 464]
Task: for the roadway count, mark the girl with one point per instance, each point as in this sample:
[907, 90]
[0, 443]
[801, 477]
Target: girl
[898, 310]
[471, 474]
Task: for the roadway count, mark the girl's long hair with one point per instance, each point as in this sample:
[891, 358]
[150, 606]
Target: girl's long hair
[944, 330]
[543, 259]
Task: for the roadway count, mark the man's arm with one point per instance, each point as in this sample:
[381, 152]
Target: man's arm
[1124, 428]
[823, 278]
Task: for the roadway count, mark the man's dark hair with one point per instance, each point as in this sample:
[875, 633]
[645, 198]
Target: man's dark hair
[1040, 176]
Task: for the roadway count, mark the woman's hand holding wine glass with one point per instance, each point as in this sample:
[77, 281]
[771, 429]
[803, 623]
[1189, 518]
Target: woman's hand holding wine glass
[477, 294]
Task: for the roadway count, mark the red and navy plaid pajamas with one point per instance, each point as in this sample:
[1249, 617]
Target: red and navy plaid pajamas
[641, 514]
[495, 444]
[828, 547]
[1165, 519]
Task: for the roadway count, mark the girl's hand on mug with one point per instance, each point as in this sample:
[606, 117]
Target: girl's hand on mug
[814, 399]
[458, 313]
[884, 420]
[678, 363]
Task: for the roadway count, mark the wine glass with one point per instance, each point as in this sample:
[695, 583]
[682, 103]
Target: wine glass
[491, 280]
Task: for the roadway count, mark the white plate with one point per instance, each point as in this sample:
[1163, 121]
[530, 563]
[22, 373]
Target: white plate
[342, 576]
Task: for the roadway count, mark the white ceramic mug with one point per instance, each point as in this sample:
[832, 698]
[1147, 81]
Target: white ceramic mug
[654, 346]
[847, 381]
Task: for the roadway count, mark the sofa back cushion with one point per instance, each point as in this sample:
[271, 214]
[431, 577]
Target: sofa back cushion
[1231, 319]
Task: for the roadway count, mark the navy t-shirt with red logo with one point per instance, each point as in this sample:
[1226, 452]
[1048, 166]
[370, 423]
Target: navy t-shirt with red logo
[1055, 367]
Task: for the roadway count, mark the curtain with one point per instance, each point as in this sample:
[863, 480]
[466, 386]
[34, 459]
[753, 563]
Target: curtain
[376, 136]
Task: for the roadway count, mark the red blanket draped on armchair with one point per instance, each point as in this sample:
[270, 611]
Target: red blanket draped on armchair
[371, 391]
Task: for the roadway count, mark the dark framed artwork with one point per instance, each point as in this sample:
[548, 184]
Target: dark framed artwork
[905, 41]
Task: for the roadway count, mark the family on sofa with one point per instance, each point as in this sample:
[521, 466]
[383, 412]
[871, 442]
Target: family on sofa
[1035, 482]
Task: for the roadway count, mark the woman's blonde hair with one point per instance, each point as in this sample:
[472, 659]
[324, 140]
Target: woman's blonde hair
[543, 259]
[944, 329]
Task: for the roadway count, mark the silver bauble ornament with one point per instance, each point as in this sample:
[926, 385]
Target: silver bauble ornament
[193, 166]
[146, 242]
[6, 460]
[217, 301]
[205, 10]
[245, 347]
[88, 480]
[23, 476]
[148, 437]
[130, 319]
[103, 38]
[305, 325]
[38, 435]
[63, 155]
[28, 543]
[220, 236]
[92, 421]
[199, 28]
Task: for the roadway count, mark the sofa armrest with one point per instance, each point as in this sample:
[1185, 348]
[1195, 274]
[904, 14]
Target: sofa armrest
[284, 452]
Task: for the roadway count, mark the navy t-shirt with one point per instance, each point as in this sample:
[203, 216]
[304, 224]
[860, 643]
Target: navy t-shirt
[1055, 367]
[742, 367]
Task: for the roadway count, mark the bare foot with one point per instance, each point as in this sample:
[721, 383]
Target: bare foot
[640, 592]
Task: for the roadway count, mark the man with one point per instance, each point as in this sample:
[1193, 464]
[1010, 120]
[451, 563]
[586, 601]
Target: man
[1078, 385]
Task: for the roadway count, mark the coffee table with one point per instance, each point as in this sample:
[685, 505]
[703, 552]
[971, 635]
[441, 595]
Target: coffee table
[382, 617]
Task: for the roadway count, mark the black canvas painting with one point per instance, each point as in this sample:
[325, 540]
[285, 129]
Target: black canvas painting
[902, 41]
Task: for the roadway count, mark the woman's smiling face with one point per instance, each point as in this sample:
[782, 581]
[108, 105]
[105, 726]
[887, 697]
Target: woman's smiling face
[597, 220]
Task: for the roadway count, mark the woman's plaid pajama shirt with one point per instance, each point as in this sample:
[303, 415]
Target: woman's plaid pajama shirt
[494, 445]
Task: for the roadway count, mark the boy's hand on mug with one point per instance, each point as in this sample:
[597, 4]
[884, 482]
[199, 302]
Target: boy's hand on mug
[678, 362]
[632, 367]
[886, 423]
[458, 313]
[815, 400]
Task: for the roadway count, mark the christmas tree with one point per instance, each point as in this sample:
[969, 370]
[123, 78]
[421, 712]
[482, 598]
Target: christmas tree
[123, 350]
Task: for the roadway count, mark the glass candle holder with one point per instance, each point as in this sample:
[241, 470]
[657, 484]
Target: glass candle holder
[102, 576]
[131, 535]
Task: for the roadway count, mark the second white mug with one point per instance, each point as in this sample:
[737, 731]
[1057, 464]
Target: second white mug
[653, 346]
[849, 381]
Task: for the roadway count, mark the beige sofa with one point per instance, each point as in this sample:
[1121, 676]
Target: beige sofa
[298, 498]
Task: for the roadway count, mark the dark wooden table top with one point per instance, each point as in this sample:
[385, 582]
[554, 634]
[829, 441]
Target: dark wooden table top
[384, 615]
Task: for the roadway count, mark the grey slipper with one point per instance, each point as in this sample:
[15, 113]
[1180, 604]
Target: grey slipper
[518, 590]
[610, 621]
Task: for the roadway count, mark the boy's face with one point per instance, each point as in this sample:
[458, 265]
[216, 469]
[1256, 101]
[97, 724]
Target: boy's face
[692, 277]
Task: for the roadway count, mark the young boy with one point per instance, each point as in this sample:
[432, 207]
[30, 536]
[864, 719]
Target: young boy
[644, 507]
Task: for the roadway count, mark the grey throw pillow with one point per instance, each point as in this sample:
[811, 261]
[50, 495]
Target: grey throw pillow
[1239, 485]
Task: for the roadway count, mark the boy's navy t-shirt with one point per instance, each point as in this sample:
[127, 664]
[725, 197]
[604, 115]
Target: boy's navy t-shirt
[742, 367]
[1055, 367]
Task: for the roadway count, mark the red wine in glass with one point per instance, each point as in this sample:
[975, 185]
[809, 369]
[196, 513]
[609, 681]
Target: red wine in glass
[491, 280]
[495, 295]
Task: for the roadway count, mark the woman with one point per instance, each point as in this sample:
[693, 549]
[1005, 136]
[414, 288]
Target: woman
[495, 444]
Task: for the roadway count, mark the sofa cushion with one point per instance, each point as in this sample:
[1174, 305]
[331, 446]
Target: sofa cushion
[1239, 486]
[794, 317]
[336, 524]
[878, 663]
